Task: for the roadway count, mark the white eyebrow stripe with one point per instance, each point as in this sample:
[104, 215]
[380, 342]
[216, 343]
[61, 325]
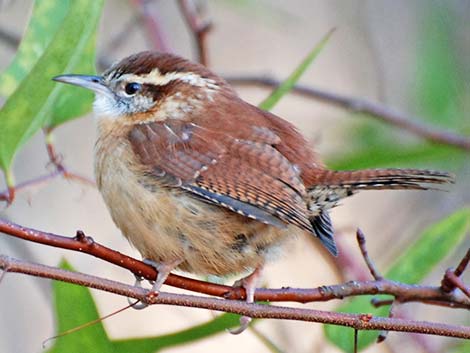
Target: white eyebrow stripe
[155, 77]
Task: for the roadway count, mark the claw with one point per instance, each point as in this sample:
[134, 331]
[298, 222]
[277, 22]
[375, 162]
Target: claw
[244, 323]
[137, 305]
[249, 283]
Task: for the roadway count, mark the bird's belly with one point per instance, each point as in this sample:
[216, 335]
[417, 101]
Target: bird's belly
[167, 224]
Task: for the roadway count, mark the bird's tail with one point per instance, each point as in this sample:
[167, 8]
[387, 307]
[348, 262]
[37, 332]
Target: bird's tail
[331, 186]
[373, 179]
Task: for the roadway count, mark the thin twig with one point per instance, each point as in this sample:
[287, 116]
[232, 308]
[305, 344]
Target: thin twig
[35, 182]
[457, 282]
[357, 321]
[361, 240]
[60, 170]
[152, 25]
[85, 244]
[57, 161]
[199, 28]
[463, 264]
[372, 109]
[449, 281]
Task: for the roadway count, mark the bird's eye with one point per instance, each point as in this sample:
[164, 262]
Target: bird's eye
[132, 88]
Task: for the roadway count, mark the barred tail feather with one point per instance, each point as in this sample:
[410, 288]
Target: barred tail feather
[331, 186]
[370, 179]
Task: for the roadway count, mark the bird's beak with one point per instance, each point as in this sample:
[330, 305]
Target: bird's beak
[94, 83]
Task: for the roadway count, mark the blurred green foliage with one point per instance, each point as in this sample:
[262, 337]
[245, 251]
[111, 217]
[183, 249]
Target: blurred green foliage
[415, 263]
[436, 92]
[74, 306]
[60, 38]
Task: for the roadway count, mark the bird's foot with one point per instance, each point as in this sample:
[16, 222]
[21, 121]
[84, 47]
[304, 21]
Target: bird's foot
[249, 283]
[163, 270]
[137, 305]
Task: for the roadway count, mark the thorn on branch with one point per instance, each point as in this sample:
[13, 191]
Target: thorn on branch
[80, 236]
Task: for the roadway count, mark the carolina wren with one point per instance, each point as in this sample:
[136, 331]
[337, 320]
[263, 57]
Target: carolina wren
[200, 180]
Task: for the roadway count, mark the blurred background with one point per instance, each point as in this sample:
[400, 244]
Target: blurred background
[411, 56]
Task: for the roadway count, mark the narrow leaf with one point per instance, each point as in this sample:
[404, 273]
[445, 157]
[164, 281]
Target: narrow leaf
[431, 247]
[74, 306]
[45, 20]
[29, 107]
[153, 344]
[290, 82]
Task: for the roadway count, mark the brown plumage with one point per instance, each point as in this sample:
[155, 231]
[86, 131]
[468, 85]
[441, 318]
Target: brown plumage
[197, 178]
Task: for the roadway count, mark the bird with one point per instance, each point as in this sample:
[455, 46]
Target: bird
[202, 181]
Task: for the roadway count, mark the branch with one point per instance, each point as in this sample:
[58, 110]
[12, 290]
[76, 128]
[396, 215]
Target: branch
[452, 278]
[56, 160]
[357, 321]
[357, 105]
[152, 25]
[8, 194]
[199, 28]
[85, 244]
[361, 240]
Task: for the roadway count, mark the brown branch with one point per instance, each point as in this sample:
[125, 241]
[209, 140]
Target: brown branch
[361, 240]
[85, 244]
[56, 160]
[152, 25]
[372, 109]
[451, 279]
[463, 264]
[199, 28]
[357, 321]
[457, 282]
[6, 195]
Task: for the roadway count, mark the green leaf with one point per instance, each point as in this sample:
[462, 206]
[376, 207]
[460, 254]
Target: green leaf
[74, 306]
[290, 82]
[45, 20]
[463, 346]
[32, 103]
[431, 247]
[154, 344]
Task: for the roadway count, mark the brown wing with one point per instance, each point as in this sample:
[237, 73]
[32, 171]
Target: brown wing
[243, 173]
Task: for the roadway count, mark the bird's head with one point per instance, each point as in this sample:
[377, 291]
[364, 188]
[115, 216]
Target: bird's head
[150, 86]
